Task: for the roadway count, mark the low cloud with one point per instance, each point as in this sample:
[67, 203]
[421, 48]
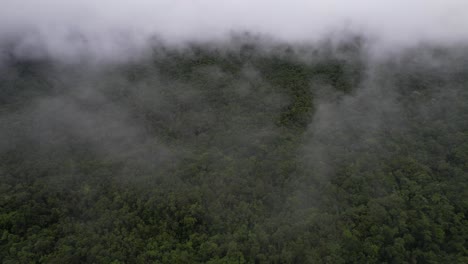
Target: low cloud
[116, 29]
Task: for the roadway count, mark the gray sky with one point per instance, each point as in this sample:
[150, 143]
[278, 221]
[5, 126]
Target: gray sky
[110, 25]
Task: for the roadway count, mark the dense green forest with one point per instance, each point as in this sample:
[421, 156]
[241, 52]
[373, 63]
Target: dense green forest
[242, 153]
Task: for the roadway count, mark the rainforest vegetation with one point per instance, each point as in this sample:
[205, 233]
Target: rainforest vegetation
[241, 152]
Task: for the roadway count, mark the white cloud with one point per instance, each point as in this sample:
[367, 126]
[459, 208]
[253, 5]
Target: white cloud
[103, 22]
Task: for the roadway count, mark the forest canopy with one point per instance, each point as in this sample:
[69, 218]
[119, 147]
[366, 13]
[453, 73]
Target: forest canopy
[236, 153]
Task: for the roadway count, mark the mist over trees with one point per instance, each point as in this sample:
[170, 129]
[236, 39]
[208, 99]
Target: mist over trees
[246, 151]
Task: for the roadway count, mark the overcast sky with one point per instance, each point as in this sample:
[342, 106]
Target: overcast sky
[106, 24]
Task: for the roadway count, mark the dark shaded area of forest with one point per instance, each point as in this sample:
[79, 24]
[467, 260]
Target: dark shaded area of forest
[246, 154]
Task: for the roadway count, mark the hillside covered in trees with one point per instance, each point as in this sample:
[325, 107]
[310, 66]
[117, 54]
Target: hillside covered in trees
[236, 153]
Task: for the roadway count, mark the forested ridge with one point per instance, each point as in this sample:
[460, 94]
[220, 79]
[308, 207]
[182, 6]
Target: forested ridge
[250, 153]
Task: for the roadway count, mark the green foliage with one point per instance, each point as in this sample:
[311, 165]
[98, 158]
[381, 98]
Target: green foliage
[204, 156]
